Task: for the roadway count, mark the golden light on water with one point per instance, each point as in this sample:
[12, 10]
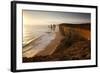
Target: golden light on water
[29, 20]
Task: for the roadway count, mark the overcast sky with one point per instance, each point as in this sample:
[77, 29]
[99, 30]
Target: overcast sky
[32, 17]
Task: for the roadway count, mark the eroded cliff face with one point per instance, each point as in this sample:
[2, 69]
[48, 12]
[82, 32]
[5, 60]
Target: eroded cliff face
[76, 29]
[75, 44]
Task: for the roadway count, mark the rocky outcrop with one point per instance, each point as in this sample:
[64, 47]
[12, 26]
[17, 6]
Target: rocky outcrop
[82, 29]
[74, 45]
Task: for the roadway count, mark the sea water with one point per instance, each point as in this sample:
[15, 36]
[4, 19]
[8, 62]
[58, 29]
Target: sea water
[31, 32]
[36, 38]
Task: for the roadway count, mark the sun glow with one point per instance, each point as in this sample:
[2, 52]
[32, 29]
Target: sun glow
[47, 17]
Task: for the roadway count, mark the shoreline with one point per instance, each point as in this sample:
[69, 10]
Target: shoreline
[37, 45]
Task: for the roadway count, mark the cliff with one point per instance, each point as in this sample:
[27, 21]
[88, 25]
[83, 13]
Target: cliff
[76, 44]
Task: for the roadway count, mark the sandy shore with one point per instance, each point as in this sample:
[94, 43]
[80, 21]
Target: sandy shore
[51, 46]
[44, 45]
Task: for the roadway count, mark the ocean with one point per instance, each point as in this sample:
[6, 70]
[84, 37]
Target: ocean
[31, 32]
[36, 38]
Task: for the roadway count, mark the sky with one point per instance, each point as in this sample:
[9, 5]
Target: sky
[33, 17]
